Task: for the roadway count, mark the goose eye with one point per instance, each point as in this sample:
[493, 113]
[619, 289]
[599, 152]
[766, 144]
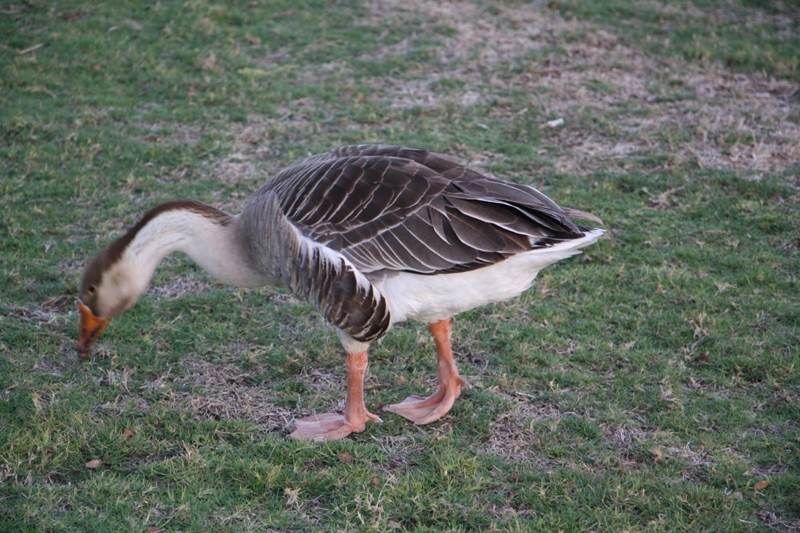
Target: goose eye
[91, 290]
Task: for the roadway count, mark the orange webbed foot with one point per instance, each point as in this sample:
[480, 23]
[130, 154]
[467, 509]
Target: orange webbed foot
[330, 426]
[426, 410]
[335, 426]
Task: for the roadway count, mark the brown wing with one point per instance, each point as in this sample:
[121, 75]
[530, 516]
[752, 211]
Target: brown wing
[403, 209]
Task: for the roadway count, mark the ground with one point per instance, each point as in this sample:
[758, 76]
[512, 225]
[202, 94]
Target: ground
[648, 385]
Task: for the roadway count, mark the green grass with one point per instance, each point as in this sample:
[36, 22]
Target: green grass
[744, 35]
[648, 385]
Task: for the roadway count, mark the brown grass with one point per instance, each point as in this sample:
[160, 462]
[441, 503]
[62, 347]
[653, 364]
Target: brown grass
[180, 286]
[511, 435]
[649, 108]
[221, 391]
[725, 120]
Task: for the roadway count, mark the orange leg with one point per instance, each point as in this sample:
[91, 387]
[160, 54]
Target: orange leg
[335, 426]
[425, 410]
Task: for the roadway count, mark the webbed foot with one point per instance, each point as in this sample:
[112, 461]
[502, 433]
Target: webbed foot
[330, 426]
[426, 410]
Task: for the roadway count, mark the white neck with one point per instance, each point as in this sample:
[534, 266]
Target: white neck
[216, 247]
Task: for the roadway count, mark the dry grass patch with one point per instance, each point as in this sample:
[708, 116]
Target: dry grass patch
[511, 435]
[179, 286]
[778, 523]
[42, 317]
[622, 108]
[169, 133]
[620, 105]
[225, 392]
[651, 107]
[257, 147]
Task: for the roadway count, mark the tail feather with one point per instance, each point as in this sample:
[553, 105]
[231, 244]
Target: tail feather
[576, 213]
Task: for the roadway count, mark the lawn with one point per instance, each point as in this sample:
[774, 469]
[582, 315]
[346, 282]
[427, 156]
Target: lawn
[650, 384]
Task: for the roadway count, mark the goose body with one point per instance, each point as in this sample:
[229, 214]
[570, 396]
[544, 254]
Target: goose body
[369, 235]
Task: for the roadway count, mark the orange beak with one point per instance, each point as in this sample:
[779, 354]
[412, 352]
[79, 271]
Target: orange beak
[91, 328]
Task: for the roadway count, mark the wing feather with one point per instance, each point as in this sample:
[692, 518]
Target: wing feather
[394, 208]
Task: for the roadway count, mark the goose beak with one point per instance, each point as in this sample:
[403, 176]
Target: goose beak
[91, 328]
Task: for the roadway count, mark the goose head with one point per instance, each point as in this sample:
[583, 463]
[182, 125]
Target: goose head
[116, 277]
[108, 289]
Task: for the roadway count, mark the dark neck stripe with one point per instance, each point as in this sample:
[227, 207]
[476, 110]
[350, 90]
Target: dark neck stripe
[117, 248]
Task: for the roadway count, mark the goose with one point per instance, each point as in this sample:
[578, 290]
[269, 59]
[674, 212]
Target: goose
[370, 236]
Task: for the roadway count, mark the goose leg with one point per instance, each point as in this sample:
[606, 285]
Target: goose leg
[425, 410]
[335, 426]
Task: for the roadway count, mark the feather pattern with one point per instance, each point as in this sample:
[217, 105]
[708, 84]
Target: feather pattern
[334, 227]
[402, 209]
[312, 271]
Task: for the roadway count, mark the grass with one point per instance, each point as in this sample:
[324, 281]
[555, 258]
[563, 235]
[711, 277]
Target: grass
[746, 35]
[650, 384]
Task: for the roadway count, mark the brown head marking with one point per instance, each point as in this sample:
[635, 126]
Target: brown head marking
[108, 256]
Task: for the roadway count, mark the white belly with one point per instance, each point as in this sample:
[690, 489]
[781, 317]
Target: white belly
[432, 298]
